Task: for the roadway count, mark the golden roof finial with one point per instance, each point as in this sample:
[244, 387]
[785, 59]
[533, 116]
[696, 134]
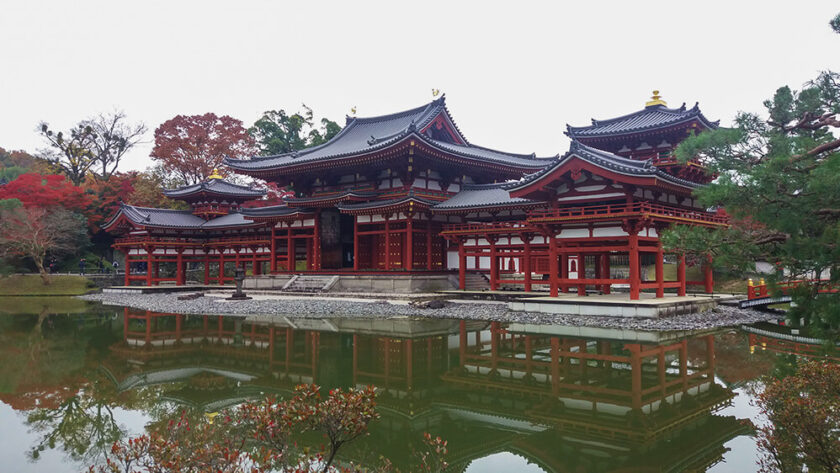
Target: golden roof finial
[655, 100]
[435, 92]
[215, 175]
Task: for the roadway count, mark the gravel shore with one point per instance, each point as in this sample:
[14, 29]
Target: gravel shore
[327, 307]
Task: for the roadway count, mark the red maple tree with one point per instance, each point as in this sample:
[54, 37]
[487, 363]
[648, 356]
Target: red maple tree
[45, 191]
[190, 147]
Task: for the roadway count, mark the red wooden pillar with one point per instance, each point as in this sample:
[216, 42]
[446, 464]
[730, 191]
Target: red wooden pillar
[708, 276]
[494, 265]
[409, 242]
[206, 266]
[681, 275]
[255, 264]
[635, 280]
[316, 241]
[564, 268]
[387, 243]
[180, 270]
[179, 320]
[221, 265]
[581, 289]
[462, 264]
[149, 264]
[605, 272]
[272, 265]
[429, 266]
[526, 261]
[552, 265]
[290, 250]
[355, 243]
[127, 267]
[660, 271]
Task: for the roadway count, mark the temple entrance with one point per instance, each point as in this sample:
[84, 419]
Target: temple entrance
[337, 231]
[346, 237]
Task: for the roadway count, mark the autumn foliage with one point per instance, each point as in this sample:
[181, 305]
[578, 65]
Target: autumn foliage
[190, 147]
[38, 190]
[804, 420]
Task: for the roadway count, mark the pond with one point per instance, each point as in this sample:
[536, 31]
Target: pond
[74, 376]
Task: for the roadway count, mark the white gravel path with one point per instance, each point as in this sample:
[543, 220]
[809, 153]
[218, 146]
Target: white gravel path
[329, 307]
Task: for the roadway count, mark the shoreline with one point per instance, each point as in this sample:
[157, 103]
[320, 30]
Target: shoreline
[329, 307]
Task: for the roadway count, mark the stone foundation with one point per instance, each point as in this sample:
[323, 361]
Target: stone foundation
[374, 283]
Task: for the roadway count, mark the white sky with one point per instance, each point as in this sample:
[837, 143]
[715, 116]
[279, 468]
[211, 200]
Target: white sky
[514, 73]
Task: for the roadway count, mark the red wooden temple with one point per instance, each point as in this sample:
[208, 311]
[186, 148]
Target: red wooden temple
[407, 194]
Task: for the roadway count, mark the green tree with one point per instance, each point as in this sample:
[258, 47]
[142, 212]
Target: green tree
[777, 176]
[277, 132]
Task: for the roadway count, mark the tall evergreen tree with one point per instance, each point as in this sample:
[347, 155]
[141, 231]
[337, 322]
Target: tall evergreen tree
[778, 176]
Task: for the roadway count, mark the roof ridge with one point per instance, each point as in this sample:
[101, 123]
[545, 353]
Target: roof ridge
[657, 108]
[139, 208]
[389, 116]
[494, 185]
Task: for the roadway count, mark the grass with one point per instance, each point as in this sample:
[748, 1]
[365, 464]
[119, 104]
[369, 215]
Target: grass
[31, 285]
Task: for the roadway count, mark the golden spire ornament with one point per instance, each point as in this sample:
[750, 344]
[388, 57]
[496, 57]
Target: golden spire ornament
[656, 100]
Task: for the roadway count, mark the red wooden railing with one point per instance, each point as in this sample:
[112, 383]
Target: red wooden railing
[608, 210]
[495, 227]
[762, 289]
[190, 241]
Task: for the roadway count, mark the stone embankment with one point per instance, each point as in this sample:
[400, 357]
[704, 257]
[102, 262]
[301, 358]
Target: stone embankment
[316, 307]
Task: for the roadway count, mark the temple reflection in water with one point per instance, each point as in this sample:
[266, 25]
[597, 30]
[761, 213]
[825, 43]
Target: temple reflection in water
[564, 400]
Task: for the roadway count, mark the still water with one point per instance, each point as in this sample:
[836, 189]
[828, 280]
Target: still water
[508, 397]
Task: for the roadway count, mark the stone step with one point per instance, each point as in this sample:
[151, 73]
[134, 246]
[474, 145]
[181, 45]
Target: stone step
[304, 283]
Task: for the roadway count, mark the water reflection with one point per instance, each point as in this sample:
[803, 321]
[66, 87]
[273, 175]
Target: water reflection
[558, 398]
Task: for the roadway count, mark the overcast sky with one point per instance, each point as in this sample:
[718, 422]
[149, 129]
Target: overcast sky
[514, 72]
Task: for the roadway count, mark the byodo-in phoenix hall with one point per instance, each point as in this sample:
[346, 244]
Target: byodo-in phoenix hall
[406, 197]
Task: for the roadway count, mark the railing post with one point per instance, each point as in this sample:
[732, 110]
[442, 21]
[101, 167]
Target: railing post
[633, 250]
[552, 264]
[462, 264]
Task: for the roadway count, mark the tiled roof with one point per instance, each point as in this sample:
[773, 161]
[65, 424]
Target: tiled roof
[365, 135]
[215, 186]
[233, 219]
[184, 219]
[387, 203]
[606, 160]
[273, 211]
[486, 195]
[331, 197]
[159, 217]
[487, 154]
[655, 116]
